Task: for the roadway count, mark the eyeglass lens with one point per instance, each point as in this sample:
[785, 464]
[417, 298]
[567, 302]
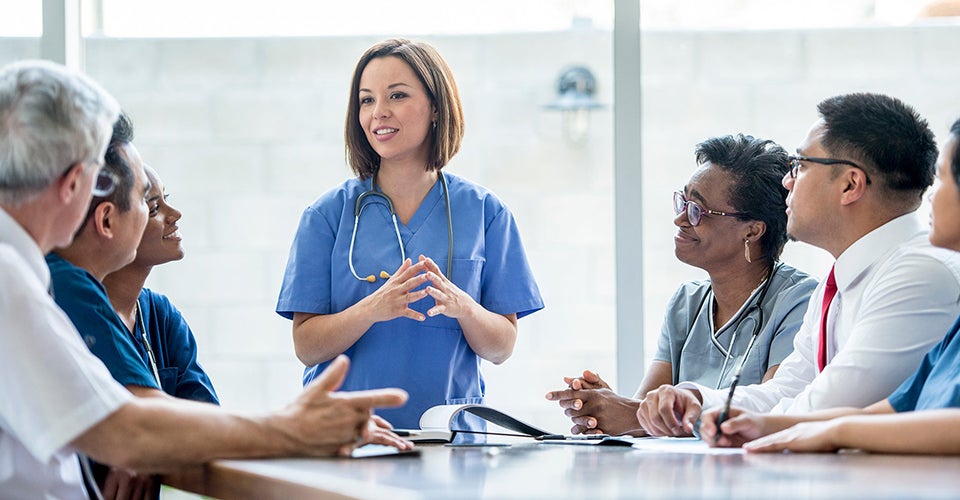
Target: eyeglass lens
[693, 210]
[105, 184]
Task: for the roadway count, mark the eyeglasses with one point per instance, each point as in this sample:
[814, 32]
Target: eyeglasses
[694, 211]
[105, 184]
[795, 164]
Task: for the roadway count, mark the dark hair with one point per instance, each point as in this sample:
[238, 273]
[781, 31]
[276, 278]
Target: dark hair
[757, 167]
[955, 163]
[437, 80]
[115, 163]
[886, 136]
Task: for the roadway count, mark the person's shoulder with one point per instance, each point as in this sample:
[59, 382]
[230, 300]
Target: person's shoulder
[70, 280]
[337, 196]
[692, 291]
[155, 300]
[918, 252]
[59, 265]
[13, 267]
[463, 190]
[792, 278]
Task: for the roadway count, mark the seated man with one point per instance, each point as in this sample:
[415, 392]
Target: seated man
[106, 242]
[921, 425]
[58, 400]
[854, 188]
[731, 223]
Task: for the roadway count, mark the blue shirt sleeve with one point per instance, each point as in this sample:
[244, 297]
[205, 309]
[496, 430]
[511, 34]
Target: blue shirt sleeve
[175, 348]
[306, 280]
[906, 397]
[85, 301]
[508, 285]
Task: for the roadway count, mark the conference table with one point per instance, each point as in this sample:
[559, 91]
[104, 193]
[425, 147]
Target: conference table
[655, 468]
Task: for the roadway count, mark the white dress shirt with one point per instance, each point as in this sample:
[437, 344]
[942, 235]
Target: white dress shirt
[897, 296]
[51, 388]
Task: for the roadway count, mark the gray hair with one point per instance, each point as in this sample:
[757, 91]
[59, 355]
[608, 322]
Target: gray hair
[50, 119]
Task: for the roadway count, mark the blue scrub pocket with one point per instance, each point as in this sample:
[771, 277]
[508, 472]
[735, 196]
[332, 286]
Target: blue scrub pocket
[466, 275]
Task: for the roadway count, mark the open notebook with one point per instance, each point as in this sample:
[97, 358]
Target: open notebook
[439, 424]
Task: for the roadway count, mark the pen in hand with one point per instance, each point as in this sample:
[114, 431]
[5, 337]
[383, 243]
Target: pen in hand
[725, 413]
[722, 417]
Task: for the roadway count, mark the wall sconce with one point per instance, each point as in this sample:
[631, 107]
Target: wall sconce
[575, 89]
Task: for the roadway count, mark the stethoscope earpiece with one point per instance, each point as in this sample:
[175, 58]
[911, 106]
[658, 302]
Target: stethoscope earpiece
[370, 278]
[384, 275]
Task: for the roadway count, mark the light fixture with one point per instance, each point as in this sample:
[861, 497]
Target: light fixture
[575, 89]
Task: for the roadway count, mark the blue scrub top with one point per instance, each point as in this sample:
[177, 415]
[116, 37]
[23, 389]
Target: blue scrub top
[936, 383]
[175, 348]
[431, 359]
[85, 301]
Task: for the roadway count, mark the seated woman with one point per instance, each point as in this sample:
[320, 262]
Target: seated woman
[732, 224]
[921, 416]
[172, 347]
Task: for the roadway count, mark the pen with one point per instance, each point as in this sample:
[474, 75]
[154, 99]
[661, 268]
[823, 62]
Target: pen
[576, 437]
[726, 407]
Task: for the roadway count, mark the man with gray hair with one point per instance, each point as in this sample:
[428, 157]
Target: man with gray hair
[58, 399]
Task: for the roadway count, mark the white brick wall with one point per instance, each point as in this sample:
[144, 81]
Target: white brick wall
[247, 132]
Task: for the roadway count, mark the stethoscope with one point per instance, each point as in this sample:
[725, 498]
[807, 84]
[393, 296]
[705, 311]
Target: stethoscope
[371, 193]
[744, 313]
[151, 358]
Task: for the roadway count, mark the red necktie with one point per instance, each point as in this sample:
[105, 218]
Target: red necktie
[828, 292]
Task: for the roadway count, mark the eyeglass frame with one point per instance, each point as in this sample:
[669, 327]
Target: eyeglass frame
[682, 204]
[102, 175]
[794, 161]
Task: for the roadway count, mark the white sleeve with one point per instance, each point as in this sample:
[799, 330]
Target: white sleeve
[903, 313]
[53, 388]
[794, 373]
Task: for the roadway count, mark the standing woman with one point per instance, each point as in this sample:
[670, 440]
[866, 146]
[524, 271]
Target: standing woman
[414, 273]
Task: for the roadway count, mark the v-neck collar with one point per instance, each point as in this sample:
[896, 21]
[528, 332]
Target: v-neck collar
[430, 202]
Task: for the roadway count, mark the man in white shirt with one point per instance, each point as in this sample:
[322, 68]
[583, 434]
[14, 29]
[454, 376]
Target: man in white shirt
[855, 185]
[57, 398]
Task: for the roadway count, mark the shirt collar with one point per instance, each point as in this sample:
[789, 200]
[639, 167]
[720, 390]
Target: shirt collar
[863, 253]
[14, 235]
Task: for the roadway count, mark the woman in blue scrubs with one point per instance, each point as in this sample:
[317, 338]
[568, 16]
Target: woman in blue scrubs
[416, 274]
[143, 311]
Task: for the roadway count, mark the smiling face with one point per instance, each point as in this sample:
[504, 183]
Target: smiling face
[395, 111]
[945, 218]
[161, 242]
[717, 240]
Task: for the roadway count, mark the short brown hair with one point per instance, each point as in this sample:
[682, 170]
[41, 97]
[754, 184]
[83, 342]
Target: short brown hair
[436, 78]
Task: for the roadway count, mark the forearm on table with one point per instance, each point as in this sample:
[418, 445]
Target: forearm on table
[321, 337]
[492, 336]
[927, 432]
[161, 434]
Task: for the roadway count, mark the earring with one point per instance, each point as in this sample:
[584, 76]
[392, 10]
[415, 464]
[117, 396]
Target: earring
[746, 250]
[434, 125]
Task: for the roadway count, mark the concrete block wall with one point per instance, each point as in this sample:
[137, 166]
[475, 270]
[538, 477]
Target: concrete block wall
[247, 132]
